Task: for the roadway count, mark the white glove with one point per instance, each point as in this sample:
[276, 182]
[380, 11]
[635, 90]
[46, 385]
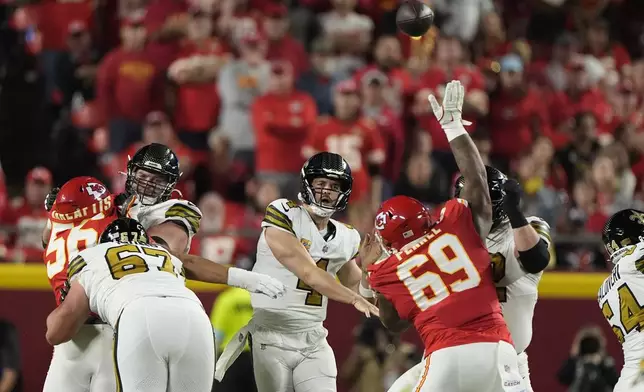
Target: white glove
[450, 113]
[255, 283]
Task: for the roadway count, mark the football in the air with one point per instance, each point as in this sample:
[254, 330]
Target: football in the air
[414, 18]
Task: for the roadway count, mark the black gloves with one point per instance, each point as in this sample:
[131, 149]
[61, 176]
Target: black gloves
[51, 198]
[511, 203]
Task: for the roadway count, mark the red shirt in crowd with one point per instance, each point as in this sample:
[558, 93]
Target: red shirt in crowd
[563, 107]
[29, 222]
[197, 105]
[513, 121]
[359, 142]
[157, 13]
[54, 16]
[399, 78]
[130, 85]
[393, 135]
[291, 50]
[282, 124]
[436, 79]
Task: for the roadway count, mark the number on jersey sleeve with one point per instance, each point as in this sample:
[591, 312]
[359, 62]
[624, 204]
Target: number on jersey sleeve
[458, 260]
[631, 313]
[65, 245]
[124, 260]
[313, 298]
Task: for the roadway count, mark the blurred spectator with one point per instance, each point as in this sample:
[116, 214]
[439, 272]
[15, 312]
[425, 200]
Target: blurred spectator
[576, 158]
[10, 369]
[492, 40]
[240, 82]
[388, 59]
[28, 218]
[231, 311]
[281, 46]
[76, 69]
[196, 106]
[425, 180]
[463, 16]
[282, 119]
[349, 32]
[450, 63]
[376, 107]
[598, 43]
[589, 368]
[318, 80]
[130, 85]
[556, 71]
[517, 113]
[358, 140]
[166, 22]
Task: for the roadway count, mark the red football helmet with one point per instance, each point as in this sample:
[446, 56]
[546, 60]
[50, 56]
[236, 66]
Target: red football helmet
[401, 220]
[81, 198]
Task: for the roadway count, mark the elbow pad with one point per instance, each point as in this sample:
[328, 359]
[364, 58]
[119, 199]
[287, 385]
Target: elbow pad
[535, 259]
[374, 170]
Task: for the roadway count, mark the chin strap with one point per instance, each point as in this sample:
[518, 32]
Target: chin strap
[315, 209]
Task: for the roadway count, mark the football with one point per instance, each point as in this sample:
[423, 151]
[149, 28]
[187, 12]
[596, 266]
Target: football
[414, 18]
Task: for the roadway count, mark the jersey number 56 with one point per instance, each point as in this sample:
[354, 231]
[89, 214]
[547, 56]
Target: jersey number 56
[457, 260]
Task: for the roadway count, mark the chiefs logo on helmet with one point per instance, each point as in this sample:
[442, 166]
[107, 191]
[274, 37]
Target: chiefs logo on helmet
[381, 220]
[95, 189]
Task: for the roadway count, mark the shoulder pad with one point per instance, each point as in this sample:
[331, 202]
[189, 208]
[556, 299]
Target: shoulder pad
[186, 212]
[541, 227]
[279, 214]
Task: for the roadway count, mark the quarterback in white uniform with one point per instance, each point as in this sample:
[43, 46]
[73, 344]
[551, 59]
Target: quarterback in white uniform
[518, 248]
[304, 249]
[622, 294]
[163, 339]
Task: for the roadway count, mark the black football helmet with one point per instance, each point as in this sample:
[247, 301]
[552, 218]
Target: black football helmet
[495, 181]
[125, 230]
[623, 229]
[157, 159]
[331, 166]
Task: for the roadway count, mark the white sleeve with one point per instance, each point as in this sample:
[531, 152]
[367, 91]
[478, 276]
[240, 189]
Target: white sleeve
[280, 214]
[541, 227]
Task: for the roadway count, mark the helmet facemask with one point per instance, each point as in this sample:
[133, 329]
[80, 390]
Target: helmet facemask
[325, 198]
[151, 186]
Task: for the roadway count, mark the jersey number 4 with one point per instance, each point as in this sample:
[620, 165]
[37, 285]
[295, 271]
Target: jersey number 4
[313, 298]
[631, 313]
[448, 263]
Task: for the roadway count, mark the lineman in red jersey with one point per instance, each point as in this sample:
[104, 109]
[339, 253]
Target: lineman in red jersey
[437, 275]
[84, 207]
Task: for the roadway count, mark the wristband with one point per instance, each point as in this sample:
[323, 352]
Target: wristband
[517, 219]
[454, 130]
[365, 292]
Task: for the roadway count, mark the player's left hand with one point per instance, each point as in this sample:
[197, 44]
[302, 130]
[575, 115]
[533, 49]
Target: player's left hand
[370, 251]
[512, 198]
[64, 290]
[450, 113]
[51, 198]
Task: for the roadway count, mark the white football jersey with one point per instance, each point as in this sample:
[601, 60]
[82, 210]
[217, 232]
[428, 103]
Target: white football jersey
[620, 298]
[516, 288]
[181, 211]
[114, 274]
[301, 306]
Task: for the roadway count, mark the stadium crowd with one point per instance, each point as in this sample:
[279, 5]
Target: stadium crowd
[245, 90]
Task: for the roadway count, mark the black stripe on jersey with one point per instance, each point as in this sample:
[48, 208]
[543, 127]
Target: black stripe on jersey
[277, 218]
[184, 212]
[541, 229]
[639, 265]
[75, 266]
[115, 343]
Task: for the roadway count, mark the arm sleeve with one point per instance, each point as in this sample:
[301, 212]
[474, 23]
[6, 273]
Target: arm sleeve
[280, 214]
[10, 350]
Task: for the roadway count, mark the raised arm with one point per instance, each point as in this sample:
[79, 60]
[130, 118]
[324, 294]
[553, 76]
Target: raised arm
[467, 157]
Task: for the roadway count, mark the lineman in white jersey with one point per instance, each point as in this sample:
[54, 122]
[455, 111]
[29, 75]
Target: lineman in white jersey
[518, 247]
[621, 296]
[162, 336]
[304, 249]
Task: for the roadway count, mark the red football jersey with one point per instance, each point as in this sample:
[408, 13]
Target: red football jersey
[443, 284]
[65, 242]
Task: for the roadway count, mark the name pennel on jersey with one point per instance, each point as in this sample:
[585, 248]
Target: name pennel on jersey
[331, 249]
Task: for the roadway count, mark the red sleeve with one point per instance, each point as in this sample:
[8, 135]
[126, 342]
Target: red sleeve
[542, 124]
[257, 116]
[315, 141]
[105, 81]
[454, 209]
[621, 56]
[478, 81]
[310, 113]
